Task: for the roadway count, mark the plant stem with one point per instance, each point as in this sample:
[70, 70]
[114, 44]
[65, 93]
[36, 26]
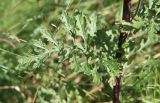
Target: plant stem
[119, 54]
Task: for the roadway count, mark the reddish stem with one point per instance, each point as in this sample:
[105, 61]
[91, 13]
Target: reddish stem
[119, 54]
[116, 90]
[8, 42]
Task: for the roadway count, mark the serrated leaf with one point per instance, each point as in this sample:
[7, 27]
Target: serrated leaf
[69, 24]
[85, 68]
[112, 67]
[120, 10]
[81, 25]
[96, 76]
[150, 3]
[111, 82]
[138, 22]
[92, 25]
[39, 44]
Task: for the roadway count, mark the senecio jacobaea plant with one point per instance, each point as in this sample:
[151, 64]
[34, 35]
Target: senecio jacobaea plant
[101, 54]
[119, 62]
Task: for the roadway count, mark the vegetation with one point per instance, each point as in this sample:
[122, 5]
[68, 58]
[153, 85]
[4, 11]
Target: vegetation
[65, 51]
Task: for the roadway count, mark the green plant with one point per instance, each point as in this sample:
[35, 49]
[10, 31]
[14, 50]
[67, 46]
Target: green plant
[80, 56]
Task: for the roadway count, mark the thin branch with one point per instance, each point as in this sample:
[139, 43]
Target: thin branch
[138, 7]
[8, 42]
[35, 94]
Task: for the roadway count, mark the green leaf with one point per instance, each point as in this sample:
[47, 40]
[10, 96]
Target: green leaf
[112, 66]
[40, 44]
[138, 22]
[92, 24]
[81, 24]
[120, 11]
[150, 3]
[69, 23]
[96, 76]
